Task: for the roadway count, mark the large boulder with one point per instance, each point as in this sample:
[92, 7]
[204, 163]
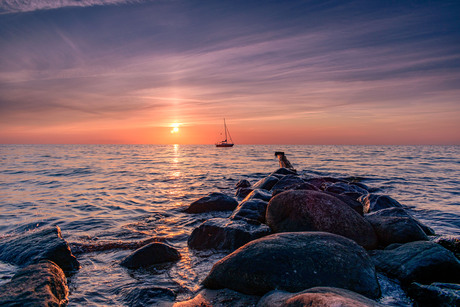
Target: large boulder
[213, 202]
[379, 202]
[395, 229]
[40, 284]
[225, 234]
[318, 297]
[221, 298]
[293, 262]
[253, 209]
[436, 294]
[421, 261]
[286, 181]
[304, 210]
[266, 183]
[150, 254]
[34, 246]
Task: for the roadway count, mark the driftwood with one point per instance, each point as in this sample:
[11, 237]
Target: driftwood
[284, 162]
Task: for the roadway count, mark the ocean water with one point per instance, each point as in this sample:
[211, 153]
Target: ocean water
[104, 197]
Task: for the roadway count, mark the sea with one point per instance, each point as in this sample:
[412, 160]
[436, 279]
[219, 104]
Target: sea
[105, 197]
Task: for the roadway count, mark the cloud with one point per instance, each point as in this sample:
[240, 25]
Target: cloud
[15, 6]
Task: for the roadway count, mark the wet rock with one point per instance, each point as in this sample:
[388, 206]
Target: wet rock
[420, 261]
[318, 297]
[286, 181]
[353, 204]
[243, 192]
[284, 171]
[322, 182]
[150, 254]
[253, 209]
[452, 243]
[436, 294]
[225, 234]
[390, 229]
[379, 202]
[401, 212]
[258, 194]
[293, 262]
[40, 284]
[149, 296]
[212, 202]
[221, 298]
[243, 183]
[296, 186]
[42, 244]
[343, 187]
[317, 211]
[266, 183]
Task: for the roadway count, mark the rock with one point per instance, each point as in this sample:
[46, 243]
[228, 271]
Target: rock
[221, 298]
[148, 296]
[379, 202]
[296, 186]
[212, 202]
[225, 234]
[284, 171]
[318, 297]
[243, 192]
[258, 194]
[401, 212]
[322, 182]
[253, 209]
[286, 181]
[420, 261]
[353, 204]
[34, 246]
[452, 243]
[150, 254]
[317, 211]
[343, 187]
[436, 294]
[390, 229]
[293, 262]
[266, 183]
[40, 284]
[243, 183]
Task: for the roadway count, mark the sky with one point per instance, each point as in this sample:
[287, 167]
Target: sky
[279, 72]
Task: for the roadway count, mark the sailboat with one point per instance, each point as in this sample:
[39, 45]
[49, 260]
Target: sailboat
[225, 142]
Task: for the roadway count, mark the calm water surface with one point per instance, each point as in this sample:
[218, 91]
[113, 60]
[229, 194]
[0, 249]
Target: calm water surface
[101, 194]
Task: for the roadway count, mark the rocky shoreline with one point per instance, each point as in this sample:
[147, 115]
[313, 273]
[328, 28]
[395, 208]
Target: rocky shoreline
[290, 240]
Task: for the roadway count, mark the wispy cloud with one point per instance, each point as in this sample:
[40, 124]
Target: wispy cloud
[15, 6]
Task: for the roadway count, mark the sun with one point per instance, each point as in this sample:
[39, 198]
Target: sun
[175, 128]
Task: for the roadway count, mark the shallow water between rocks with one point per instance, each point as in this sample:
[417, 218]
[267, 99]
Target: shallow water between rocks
[104, 194]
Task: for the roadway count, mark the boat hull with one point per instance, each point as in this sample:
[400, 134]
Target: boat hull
[224, 145]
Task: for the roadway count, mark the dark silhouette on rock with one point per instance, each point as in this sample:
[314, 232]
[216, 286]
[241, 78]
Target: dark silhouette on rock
[284, 162]
[34, 246]
[225, 234]
[40, 284]
[422, 261]
[317, 297]
[150, 254]
[293, 262]
[212, 202]
[304, 210]
[221, 298]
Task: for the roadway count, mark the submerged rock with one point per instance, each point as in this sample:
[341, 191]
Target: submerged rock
[318, 297]
[34, 246]
[40, 284]
[221, 298]
[212, 202]
[436, 294]
[149, 296]
[225, 234]
[293, 262]
[253, 209]
[420, 261]
[304, 210]
[151, 254]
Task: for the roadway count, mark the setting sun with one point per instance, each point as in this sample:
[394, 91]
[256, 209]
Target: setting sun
[175, 128]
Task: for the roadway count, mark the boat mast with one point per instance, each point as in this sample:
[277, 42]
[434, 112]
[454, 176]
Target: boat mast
[225, 128]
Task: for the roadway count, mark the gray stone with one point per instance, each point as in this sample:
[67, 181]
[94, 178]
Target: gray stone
[436, 294]
[40, 284]
[213, 202]
[343, 187]
[34, 246]
[286, 181]
[323, 182]
[304, 210]
[317, 297]
[266, 183]
[253, 209]
[241, 193]
[258, 194]
[150, 254]
[220, 298]
[243, 183]
[379, 202]
[420, 261]
[225, 234]
[293, 262]
[452, 243]
[353, 204]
